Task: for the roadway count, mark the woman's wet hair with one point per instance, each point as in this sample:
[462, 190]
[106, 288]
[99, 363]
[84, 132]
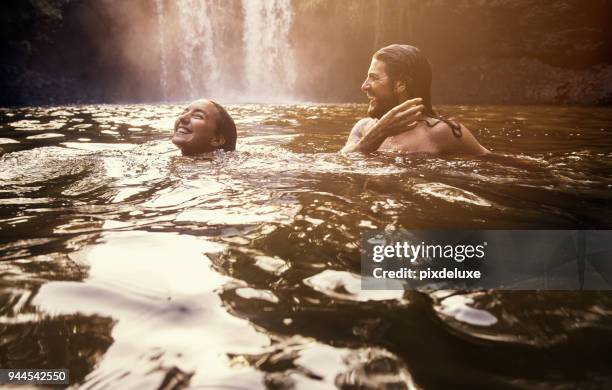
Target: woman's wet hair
[226, 127]
[407, 63]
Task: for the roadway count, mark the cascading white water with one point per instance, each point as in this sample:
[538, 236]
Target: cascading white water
[163, 77]
[269, 64]
[231, 50]
[199, 68]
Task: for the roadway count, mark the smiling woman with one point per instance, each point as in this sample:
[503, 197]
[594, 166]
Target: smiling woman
[203, 127]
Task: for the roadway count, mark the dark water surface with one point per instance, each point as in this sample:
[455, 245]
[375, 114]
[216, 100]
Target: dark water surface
[135, 267]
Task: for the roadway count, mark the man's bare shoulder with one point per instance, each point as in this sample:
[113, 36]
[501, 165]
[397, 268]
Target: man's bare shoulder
[458, 140]
[357, 133]
[363, 124]
[440, 130]
[359, 129]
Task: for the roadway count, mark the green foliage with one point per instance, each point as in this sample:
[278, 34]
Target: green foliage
[49, 8]
[25, 24]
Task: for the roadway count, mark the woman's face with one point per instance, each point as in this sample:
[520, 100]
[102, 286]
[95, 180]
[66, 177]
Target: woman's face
[195, 130]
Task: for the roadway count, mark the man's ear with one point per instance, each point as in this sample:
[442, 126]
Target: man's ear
[218, 141]
[400, 86]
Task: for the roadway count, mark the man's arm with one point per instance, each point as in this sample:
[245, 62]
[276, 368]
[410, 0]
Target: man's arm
[357, 133]
[367, 135]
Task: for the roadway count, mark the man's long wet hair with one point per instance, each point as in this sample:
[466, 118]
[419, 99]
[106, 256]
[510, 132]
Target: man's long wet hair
[407, 63]
[226, 127]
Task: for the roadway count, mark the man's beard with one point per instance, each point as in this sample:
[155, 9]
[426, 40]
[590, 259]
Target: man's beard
[380, 108]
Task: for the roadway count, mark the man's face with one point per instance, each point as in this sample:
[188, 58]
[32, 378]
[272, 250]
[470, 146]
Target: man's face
[195, 129]
[380, 90]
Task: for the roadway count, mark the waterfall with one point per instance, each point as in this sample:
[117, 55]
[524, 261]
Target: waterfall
[234, 50]
[159, 10]
[198, 59]
[269, 64]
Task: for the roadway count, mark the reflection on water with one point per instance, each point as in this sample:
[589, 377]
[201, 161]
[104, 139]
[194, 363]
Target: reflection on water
[136, 267]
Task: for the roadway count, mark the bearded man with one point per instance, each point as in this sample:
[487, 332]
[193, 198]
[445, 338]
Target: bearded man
[401, 117]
